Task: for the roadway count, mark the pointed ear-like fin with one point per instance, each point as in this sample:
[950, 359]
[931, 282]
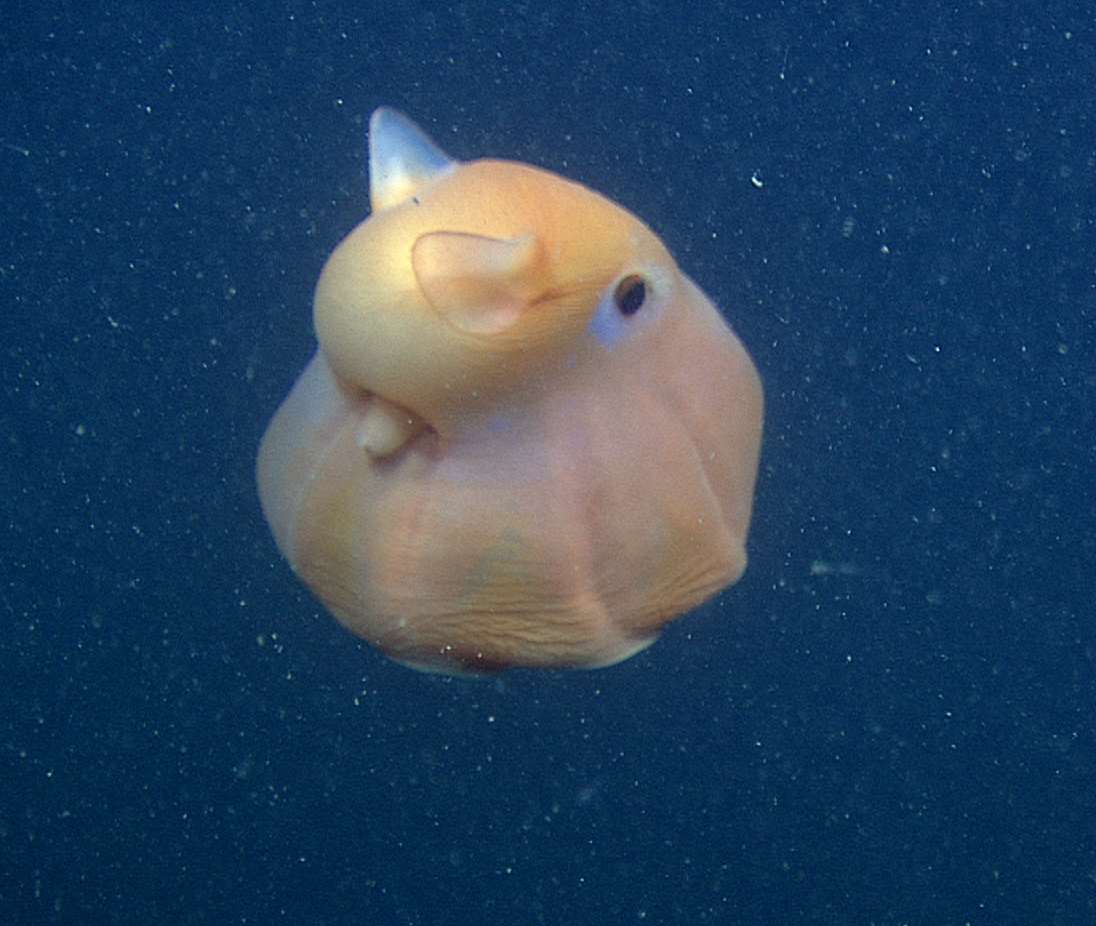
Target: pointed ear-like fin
[402, 158]
[478, 284]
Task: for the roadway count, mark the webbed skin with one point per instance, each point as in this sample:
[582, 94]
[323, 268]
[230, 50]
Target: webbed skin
[526, 438]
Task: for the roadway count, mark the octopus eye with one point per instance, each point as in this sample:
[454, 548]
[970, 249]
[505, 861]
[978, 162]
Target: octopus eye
[630, 294]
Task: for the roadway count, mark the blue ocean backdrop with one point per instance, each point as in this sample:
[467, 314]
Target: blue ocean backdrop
[888, 722]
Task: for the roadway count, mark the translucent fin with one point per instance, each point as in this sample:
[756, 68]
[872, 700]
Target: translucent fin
[480, 285]
[402, 159]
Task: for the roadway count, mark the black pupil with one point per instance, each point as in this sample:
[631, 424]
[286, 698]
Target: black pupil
[630, 295]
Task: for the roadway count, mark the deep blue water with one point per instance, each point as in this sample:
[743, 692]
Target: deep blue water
[907, 738]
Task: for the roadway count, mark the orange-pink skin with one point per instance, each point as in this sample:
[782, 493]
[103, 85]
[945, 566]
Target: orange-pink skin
[563, 495]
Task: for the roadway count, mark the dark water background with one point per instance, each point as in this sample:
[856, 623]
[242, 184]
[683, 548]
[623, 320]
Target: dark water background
[889, 721]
